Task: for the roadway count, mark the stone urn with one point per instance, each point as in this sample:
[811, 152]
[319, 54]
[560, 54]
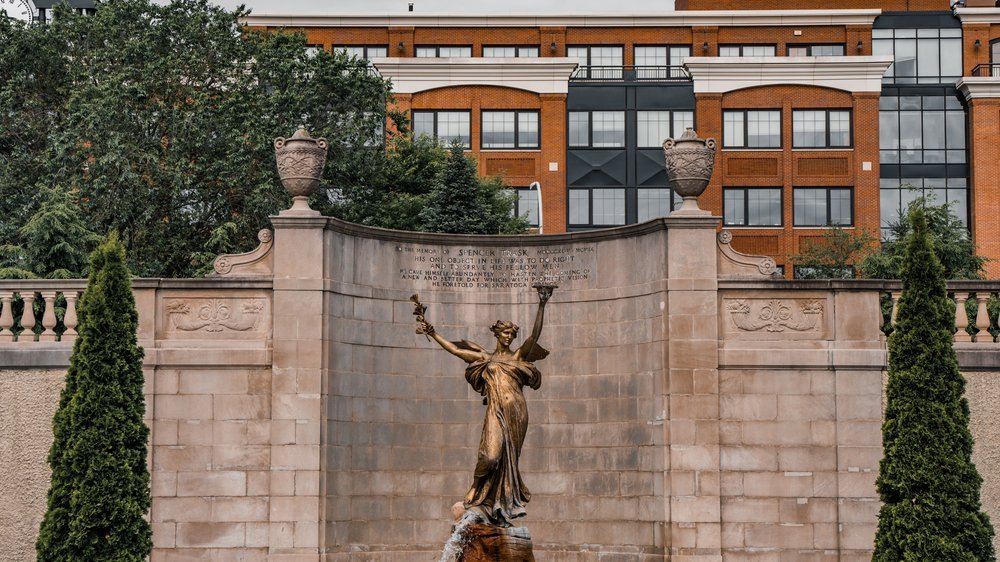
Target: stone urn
[300, 161]
[690, 161]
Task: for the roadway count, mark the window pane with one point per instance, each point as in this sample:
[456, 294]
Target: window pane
[763, 129]
[527, 52]
[678, 54]
[653, 127]
[377, 52]
[455, 52]
[682, 120]
[927, 57]
[527, 205]
[606, 56]
[733, 209]
[882, 47]
[808, 128]
[841, 212]
[579, 128]
[609, 206]
[934, 129]
[651, 62]
[888, 124]
[906, 59]
[764, 207]
[423, 123]
[358, 52]
[798, 51]
[732, 128]
[579, 206]
[888, 206]
[527, 130]
[840, 128]
[758, 50]
[909, 130]
[653, 203]
[426, 52]
[497, 52]
[498, 129]
[951, 58]
[809, 207]
[730, 51]
[828, 50]
[609, 128]
[580, 53]
[955, 130]
[454, 125]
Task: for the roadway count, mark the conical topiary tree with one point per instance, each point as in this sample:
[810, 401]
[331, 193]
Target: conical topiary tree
[927, 482]
[99, 494]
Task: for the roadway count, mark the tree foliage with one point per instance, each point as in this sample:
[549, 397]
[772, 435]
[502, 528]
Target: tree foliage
[157, 121]
[949, 238]
[927, 482]
[99, 493]
[460, 202]
[835, 256]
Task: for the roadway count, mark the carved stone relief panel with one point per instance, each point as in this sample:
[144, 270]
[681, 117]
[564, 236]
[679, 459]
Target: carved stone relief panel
[763, 316]
[214, 317]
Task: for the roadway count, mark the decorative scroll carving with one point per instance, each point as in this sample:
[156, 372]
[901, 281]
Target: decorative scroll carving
[259, 261]
[215, 315]
[733, 264]
[776, 315]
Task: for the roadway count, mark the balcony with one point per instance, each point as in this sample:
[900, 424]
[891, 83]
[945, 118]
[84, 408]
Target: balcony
[630, 74]
[987, 70]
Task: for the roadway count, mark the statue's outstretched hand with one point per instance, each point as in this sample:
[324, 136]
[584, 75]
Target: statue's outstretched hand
[425, 328]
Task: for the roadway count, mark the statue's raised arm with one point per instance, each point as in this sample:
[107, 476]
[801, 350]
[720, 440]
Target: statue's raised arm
[530, 350]
[467, 351]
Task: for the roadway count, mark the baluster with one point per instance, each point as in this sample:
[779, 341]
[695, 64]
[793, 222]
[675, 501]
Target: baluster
[69, 319]
[961, 317]
[895, 308]
[6, 318]
[982, 318]
[49, 317]
[27, 317]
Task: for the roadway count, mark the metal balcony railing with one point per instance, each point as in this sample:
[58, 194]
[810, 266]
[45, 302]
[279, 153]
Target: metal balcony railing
[987, 70]
[630, 74]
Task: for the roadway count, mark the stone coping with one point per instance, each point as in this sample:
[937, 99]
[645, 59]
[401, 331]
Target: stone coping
[260, 282]
[971, 285]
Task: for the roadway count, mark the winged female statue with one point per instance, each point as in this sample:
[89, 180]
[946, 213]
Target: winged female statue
[498, 495]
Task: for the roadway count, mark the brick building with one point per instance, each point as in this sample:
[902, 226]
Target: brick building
[835, 113]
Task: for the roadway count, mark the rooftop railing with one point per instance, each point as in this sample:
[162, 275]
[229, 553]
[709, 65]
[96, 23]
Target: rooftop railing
[630, 74]
[987, 70]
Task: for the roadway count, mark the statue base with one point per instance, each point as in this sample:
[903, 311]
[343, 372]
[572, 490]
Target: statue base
[484, 543]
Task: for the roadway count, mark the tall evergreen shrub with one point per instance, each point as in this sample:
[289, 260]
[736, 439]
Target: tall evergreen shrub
[927, 482]
[99, 494]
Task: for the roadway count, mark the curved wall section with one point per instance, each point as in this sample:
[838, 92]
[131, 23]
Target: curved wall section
[403, 425]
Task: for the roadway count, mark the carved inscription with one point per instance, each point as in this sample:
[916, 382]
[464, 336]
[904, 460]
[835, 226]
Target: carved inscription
[494, 268]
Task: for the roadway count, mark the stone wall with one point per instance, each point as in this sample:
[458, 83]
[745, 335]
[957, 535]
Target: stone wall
[28, 399]
[983, 392]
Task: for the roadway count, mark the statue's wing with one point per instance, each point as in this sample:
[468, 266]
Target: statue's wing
[536, 353]
[471, 346]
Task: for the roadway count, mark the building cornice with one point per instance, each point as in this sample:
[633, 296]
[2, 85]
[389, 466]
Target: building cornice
[978, 15]
[718, 75]
[977, 87]
[738, 18]
[547, 75]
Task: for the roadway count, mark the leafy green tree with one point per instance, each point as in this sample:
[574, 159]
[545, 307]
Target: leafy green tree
[949, 238]
[461, 202]
[159, 121]
[99, 493]
[836, 256]
[927, 482]
[57, 237]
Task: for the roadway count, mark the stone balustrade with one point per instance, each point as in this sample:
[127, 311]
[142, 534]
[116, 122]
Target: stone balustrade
[39, 310]
[974, 321]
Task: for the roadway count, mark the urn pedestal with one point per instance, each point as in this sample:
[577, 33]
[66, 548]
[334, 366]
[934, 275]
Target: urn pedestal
[690, 161]
[300, 160]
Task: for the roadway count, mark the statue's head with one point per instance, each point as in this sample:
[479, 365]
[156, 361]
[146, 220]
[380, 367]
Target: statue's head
[502, 325]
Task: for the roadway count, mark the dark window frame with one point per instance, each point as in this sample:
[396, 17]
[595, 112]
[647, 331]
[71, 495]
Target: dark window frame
[437, 49]
[746, 206]
[742, 46]
[590, 130]
[435, 112]
[897, 111]
[828, 189]
[590, 207]
[809, 48]
[746, 128]
[590, 46]
[995, 46]
[365, 47]
[666, 46]
[517, 48]
[694, 124]
[517, 126]
[826, 111]
[518, 212]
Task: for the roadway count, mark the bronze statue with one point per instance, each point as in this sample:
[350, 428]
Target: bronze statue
[498, 495]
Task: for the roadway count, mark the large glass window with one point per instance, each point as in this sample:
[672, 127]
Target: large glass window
[821, 128]
[896, 194]
[922, 56]
[598, 61]
[597, 207]
[822, 206]
[510, 51]
[366, 52]
[746, 50]
[751, 206]
[509, 129]
[653, 127]
[656, 202]
[445, 126]
[815, 50]
[596, 129]
[660, 61]
[526, 205]
[744, 128]
[921, 130]
[443, 51]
